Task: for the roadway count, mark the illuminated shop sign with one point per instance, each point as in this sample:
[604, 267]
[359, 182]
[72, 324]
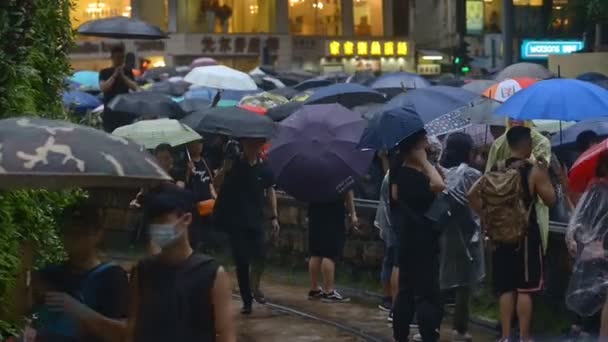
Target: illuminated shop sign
[541, 49]
[374, 48]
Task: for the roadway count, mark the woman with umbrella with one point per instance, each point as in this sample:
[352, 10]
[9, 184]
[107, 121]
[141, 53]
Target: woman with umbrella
[414, 183]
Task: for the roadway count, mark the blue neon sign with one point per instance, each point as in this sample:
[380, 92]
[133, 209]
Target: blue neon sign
[541, 49]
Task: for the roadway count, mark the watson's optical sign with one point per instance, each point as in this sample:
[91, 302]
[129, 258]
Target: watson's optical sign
[541, 49]
[350, 48]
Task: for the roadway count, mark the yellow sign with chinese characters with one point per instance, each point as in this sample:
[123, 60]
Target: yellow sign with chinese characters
[374, 48]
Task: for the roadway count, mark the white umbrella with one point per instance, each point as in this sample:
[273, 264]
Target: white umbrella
[151, 133]
[221, 77]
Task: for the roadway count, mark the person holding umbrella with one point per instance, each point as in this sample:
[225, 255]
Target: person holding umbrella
[114, 81]
[243, 183]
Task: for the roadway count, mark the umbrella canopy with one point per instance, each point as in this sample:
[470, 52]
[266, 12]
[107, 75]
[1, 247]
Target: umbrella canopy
[202, 62]
[151, 133]
[557, 99]
[602, 83]
[387, 129]
[121, 28]
[361, 77]
[147, 104]
[369, 110]
[347, 94]
[58, 154]
[192, 105]
[79, 101]
[313, 83]
[569, 135]
[592, 77]
[315, 156]
[170, 88]
[287, 92]
[531, 70]
[478, 86]
[502, 90]
[334, 76]
[282, 112]
[167, 71]
[267, 82]
[482, 113]
[398, 80]
[221, 77]
[231, 121]
[264, 100]
[447, 123]
[434, 101]
[585, 167]
[86, 79]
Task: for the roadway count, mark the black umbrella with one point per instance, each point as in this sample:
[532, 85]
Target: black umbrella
[177, 89]
[121, 28]
[157, 73]
[192, 105]
[361, 77]
[287, 92]
[347, 94]
[282, 112]
[231, 121]
[147, 104]
[310, 84]
[38, 152]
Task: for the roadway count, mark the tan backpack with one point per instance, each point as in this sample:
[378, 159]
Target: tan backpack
[504, 213]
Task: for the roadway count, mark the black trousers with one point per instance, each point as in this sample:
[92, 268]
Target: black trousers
[419, 294]
[249, 253]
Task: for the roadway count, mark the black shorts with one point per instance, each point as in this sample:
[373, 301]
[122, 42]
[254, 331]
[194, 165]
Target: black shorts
[519, 268]
[326, 230]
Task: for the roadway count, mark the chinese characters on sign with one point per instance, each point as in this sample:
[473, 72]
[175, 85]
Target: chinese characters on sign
[374, 48]
[238, 45]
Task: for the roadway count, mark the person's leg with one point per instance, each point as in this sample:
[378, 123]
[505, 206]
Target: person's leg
[404, 306]
[314, 271]
[385, 278]
[257, 267]
[395, 282]
[506, 304]
[328, 269]
[429, 308]
[241, 262]
[604, 323]
[461, 310]
[524, 315]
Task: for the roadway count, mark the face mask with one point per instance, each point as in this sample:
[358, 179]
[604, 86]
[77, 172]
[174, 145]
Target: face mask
[164, 235]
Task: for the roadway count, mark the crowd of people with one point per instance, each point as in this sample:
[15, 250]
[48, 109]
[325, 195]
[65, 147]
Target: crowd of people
[441, 205]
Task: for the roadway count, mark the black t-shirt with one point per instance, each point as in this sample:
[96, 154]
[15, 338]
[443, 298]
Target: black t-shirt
[119, 86]
[200, 180]
[110, 286]
[240, 203]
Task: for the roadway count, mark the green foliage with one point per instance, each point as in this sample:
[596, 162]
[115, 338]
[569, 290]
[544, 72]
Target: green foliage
[35, 37]
[594, 11]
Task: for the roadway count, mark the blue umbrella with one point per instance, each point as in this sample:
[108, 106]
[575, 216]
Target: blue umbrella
[315, 157]
[592, 77]
[432, 102]
[568, 135]
[314, 83]
[557, 99]
[388, 128]
[88, 79]
[399, 80]
[79, 101]
[347, 94]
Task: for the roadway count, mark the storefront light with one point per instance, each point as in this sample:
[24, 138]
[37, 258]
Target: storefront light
[376, 49]
[432, 58]
[318, 5]
[389, 48]
[349, 48]
[334, 48]
[402, 48]
[362, 48]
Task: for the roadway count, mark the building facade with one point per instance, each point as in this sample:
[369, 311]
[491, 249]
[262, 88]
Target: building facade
[316, 35]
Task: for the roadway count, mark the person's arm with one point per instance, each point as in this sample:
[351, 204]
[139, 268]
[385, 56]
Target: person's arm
[272, 202]
[221, 297]
[352, 209]
[106, 84]
[128, 79]
[474, 197]
[133, 307]
[435, 179]
[542, 186]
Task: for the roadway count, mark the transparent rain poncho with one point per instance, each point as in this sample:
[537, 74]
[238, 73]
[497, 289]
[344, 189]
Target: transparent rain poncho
[462, 258]
[587, 235]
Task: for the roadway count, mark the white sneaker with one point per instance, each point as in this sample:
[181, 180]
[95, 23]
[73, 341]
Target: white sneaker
[417, 338]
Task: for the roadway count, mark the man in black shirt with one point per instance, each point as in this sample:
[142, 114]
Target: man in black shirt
[239, 210]
[82, 299]
[114, 81]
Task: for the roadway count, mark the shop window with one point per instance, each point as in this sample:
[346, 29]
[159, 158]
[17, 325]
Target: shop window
[368, 17]
[226, 16]
[533, 3]
[84, 10]
[154, 12]
[315, 17]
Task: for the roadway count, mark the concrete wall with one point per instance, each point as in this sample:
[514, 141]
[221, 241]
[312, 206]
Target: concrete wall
[578, 63]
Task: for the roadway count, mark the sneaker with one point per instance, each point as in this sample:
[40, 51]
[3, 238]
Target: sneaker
[315, 294]
[259, 296]
[390, 317]
[417, 338]
[386, 305]
[246, 310]
[458, 337]
[334, 297]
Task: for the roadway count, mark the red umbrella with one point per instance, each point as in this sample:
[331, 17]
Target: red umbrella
[585, 168]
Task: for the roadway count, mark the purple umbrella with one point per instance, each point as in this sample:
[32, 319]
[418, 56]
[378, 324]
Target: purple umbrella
[315, 156]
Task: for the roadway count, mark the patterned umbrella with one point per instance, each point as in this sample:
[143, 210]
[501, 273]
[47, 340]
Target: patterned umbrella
[265, 100]
[478, 86]
[38, 152]
[502, 91]
[447, 123]
[151, 133]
